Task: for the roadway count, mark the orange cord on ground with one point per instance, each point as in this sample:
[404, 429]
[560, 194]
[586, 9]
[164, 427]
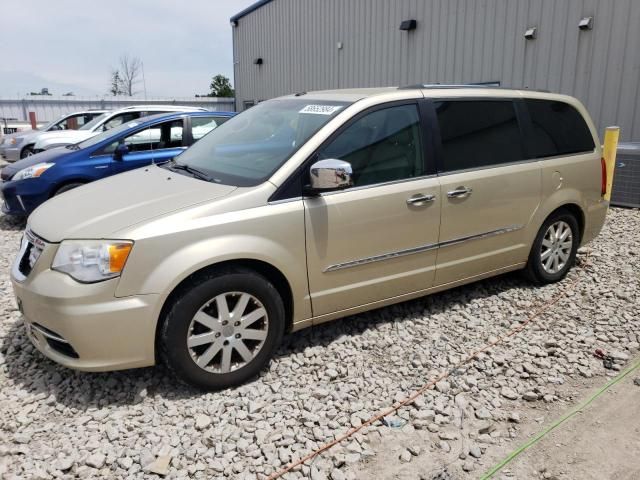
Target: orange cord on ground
[432, 383]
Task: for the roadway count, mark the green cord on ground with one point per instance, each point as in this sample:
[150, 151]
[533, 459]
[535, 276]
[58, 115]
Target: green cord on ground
[559, 422]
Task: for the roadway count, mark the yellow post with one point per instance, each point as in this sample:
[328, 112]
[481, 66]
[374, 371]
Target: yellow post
[609, 150]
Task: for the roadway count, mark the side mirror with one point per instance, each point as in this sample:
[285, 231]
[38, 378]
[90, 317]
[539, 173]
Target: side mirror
[330, 174]
[121, 150]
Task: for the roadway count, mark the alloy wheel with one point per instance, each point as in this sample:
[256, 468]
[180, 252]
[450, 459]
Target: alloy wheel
[557, 244]
[227, 332]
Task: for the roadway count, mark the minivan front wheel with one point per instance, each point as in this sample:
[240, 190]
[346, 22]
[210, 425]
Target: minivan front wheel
[222, 329]
[554, 249]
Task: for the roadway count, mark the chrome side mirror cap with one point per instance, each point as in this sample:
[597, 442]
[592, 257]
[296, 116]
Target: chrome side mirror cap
[331, 174]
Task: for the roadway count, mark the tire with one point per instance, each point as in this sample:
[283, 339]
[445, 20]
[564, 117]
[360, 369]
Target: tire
[221, 363]
[27, 152]
[543, 271]
[67, 187]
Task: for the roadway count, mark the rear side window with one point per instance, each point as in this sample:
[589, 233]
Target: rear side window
[478, 133]
[557, 129]
[200, 126]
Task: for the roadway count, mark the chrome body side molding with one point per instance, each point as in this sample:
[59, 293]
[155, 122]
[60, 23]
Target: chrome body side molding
[421, 249]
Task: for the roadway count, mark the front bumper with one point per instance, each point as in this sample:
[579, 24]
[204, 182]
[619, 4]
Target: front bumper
[10, 154]
[22, 197]
[84, 326]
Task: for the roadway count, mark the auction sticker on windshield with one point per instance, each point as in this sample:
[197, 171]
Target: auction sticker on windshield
[321, 109]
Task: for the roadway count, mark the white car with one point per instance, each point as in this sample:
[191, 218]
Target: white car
[19, 145]
[104, 122]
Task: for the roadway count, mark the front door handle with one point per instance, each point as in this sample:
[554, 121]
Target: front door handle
[420, 199]
[460, 192]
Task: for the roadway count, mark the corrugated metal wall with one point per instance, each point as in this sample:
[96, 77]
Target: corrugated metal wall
[457, 41]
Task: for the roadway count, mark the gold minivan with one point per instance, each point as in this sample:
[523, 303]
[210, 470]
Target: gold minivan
[304, 209]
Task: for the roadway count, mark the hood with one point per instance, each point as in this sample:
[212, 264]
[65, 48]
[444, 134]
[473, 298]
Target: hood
[62, 137]
[101, 208]
[52, 155]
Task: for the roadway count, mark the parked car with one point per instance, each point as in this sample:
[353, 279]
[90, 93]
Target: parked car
[19, 145]
[158, 138]
[353, 200]
[105, 122]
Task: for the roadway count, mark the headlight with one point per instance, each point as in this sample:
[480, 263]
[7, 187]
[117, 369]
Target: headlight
[33, 171]
[92, 260]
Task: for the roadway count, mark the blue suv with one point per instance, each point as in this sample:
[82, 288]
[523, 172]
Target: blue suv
[159, 138]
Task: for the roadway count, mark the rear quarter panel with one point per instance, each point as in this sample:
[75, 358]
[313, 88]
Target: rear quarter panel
[573, 179]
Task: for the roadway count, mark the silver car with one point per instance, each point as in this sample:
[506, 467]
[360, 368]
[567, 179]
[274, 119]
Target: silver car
[19, 145]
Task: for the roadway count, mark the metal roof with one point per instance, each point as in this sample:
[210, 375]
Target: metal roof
[249, 9]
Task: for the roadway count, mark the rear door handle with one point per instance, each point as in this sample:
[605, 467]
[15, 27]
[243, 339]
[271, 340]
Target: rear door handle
[420, 199]
[460, 192]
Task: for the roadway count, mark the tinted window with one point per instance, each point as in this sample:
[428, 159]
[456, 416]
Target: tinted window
[478, 133]
[120, 119]
[557, 129]
[200, 126]
[382, 146]
[157, 137]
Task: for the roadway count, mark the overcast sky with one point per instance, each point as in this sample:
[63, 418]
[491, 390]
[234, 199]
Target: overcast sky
[71, 45]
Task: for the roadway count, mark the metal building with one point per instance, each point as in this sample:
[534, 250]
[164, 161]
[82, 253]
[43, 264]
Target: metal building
[587, 48]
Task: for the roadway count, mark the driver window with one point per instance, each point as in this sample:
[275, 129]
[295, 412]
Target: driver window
[164, 135]
[382, 146]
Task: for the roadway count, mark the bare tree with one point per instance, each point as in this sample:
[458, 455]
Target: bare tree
[129, 71]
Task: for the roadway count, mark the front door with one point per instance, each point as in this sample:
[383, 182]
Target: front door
[158, 143]
[489, 189]
[378, 239]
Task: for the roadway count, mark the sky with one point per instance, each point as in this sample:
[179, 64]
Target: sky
[72, 45]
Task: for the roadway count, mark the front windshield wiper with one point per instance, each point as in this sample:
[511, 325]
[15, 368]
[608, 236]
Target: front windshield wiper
[193, 171]
[72, 147]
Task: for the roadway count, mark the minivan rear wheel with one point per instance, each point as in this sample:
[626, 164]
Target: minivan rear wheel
[222, 328]
[554, 249]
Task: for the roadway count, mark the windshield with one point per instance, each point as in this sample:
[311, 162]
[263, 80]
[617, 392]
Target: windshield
[248, 148]
[95, 121]
[48, 126]
[90, 142]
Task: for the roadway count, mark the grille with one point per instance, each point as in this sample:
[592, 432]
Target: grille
[626, 177]
[30, 251]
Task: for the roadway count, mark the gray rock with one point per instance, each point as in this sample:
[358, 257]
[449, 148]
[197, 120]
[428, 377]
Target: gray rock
[160, 465]
[64, 463]
[202, 421]
[475, 451]
[483, 413]
[509, 393]
[405, 456]
[337, 474]
[95, 460]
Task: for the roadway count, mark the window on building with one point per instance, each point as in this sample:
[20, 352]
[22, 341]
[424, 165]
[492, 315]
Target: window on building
[557, 129]
[478, 133]
[381, 146]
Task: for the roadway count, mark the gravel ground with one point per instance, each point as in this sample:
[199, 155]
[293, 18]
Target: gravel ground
[57, 423]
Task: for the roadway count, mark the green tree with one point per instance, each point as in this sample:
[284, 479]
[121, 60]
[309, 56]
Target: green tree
[115, 83]
[221, 87]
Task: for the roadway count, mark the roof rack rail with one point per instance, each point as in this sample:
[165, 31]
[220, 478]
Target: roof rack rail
[495, 84]
[425, 86]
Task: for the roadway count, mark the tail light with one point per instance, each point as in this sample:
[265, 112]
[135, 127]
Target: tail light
[603, 186]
